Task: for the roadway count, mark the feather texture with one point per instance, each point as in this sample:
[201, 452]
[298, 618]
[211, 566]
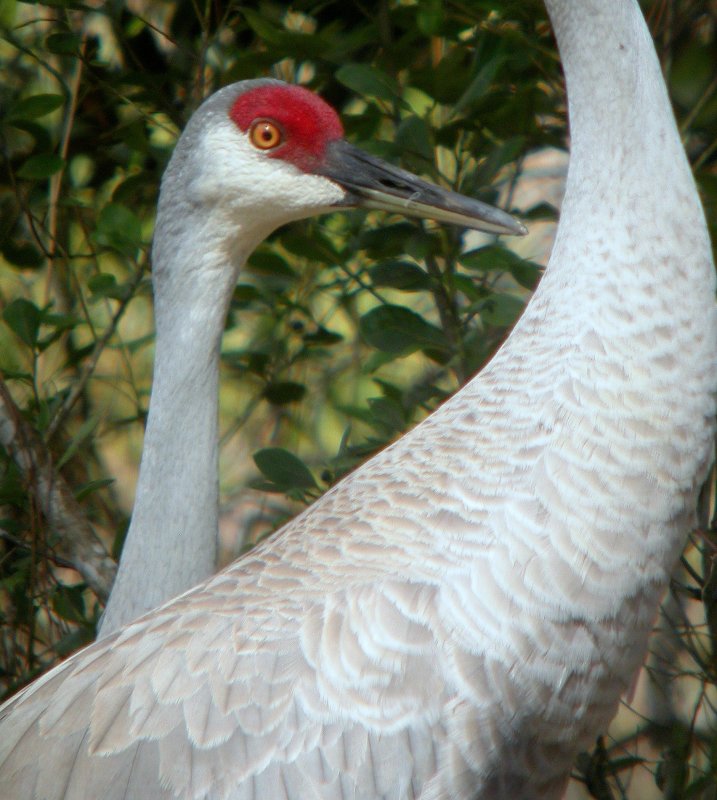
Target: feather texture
[457, 618]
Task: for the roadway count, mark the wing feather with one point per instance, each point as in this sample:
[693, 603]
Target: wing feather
[208, 708]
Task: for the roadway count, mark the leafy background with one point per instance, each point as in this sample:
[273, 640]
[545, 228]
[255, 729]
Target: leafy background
[343, 331]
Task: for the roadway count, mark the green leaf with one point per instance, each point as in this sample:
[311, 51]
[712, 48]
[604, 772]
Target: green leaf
[7, 13]
[253, 361]
[84, 432]
[414, 136]
[43, 140]
[271, 264]
[132, 188]
[15, 580]
[92, 486]
[322, 336]
[284, 468]
[501, 310]
[134, 136]
[388, 240]
[389, 389]
[541, 210]
[63, 44]
[261, 26]
[494, 257]
[23, 318]
[68, 602]
[41, 166]
[119, 229]
[387, 413]
[58, 323]
[467, 285]
[244, 295]
[480, 83]
[17, 375]
[497, 158]
[72, 641]
[617, 765]
[22, 254]
[527, 273]
[366, 80]
[486, 259]
[402, 275]
[39, 105]
[430, 16]
[282, 392]
[105, 285]
[377, 360]
[394, 329]
[313, 247]
[12, 492]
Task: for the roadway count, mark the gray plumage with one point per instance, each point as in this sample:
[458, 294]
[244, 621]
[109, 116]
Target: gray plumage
[458, 617]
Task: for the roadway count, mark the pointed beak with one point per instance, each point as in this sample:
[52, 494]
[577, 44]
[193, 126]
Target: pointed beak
[372, 183]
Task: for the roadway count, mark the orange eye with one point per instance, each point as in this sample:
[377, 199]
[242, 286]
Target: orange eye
[265, 134]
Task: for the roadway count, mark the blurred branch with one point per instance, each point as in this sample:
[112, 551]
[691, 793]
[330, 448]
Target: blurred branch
[57, 178]
[90, 364]
[76, 542]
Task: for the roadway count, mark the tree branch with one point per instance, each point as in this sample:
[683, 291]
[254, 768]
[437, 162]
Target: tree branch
[75, 540]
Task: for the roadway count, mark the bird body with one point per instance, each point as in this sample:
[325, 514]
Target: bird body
[459, 616]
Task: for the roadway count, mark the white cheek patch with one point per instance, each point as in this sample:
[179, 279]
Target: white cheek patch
[229, 170]
[229, 179]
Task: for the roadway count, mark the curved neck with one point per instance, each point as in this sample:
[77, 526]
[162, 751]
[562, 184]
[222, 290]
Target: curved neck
[628, 176]
[171, 543]
[623, 322]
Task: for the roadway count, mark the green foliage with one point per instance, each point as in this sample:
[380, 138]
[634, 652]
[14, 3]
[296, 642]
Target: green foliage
[397, 330]
[284, 470]
[343, 331]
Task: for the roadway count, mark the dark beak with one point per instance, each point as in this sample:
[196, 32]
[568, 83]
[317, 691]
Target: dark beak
[373, 183]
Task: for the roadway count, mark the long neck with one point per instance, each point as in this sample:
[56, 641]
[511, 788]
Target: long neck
[172, 540]
[604, 394]
[632, 253]
[626, 312]
[629, 183]
[615, 357]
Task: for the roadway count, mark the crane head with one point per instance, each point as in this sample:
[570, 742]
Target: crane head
[275, 152]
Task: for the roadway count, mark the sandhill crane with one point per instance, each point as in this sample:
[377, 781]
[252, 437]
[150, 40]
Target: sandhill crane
[231, 181]
[458, 617]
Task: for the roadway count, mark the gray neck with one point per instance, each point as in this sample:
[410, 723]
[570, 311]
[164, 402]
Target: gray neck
[627, 164]
[630, 201]
[623, 322]
[172, 540]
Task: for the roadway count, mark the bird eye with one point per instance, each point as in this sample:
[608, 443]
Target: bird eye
[265, 134]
